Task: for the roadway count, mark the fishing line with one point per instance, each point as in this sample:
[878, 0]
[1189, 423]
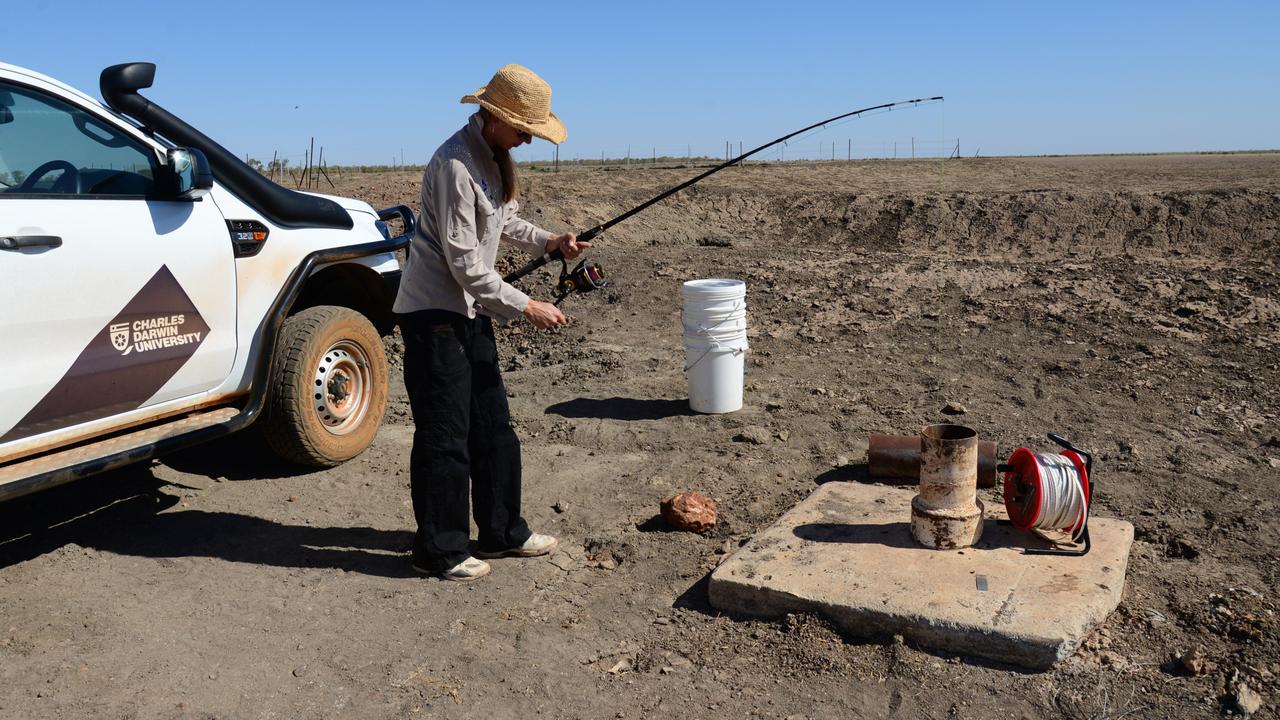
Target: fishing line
[833, 125]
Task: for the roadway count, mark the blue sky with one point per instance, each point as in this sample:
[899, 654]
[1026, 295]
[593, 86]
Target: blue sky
[374, 80]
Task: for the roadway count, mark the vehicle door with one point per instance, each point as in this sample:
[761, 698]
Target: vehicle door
[112, 298]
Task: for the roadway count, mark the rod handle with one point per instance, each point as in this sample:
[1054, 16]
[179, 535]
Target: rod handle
[532, 265]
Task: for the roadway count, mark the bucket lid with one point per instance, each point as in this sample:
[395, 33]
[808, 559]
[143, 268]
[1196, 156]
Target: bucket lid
[727, 287]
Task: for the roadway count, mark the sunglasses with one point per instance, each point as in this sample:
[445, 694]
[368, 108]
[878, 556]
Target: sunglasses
[527, 137]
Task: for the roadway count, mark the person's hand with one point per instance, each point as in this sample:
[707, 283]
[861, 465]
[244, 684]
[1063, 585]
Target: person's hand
[544, 315]
[567, 244]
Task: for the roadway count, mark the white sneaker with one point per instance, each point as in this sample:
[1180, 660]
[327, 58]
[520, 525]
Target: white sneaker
[536, 545]
[467, 570]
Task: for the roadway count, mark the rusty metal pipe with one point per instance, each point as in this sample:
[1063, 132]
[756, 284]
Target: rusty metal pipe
[898, 456]
[947, 513]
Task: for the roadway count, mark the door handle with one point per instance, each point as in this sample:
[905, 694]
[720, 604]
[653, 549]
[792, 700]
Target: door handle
[17, 242]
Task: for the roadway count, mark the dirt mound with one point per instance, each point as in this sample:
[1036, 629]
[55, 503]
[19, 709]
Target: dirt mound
[1196, 225]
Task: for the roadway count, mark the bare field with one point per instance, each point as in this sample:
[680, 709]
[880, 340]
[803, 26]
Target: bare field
[1129, 303]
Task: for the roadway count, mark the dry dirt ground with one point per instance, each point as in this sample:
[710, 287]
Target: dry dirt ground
[1130, 303]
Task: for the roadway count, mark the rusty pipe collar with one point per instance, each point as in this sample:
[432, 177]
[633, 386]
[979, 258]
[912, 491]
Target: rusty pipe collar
[947, 513]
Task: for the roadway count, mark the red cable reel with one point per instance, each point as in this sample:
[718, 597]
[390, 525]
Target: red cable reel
[1050, 492]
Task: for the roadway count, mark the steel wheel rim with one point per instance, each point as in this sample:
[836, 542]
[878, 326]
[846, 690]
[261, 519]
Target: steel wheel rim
[341, 388]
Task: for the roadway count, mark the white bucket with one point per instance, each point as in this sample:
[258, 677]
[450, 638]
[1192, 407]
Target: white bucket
[715, 342]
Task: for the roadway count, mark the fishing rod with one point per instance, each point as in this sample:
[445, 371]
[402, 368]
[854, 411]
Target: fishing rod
[586, 277]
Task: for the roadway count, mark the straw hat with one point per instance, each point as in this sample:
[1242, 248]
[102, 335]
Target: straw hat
[522, 100]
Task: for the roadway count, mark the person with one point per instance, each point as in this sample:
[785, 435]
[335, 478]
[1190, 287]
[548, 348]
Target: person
[449, 297]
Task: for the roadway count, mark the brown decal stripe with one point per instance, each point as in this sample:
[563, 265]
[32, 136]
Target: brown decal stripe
[131, 358]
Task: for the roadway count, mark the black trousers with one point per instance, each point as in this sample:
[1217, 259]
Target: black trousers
[462, 431]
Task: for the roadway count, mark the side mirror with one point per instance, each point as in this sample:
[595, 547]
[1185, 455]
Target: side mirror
[189, 173]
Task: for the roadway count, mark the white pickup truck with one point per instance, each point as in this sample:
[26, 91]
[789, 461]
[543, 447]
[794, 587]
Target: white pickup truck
[156, 292]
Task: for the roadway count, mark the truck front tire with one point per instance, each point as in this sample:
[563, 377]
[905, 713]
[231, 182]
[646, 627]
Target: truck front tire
[328, 389]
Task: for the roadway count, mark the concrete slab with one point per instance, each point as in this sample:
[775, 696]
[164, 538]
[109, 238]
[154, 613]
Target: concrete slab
[846, 553]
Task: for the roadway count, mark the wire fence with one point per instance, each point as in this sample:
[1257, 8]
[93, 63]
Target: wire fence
[846, 138]
[818, 150]
[307, 170]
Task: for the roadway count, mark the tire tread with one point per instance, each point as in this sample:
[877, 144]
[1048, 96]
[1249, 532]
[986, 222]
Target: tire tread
[288, 411]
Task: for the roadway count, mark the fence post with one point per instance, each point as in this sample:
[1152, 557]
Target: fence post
[322, 170]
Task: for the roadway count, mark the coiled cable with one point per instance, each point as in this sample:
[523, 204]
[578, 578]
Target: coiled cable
[1063, 505]
[1047, 492]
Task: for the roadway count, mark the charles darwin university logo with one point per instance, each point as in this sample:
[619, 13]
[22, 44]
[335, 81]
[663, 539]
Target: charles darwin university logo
[126, 363]
[120, 337]
[153, 333]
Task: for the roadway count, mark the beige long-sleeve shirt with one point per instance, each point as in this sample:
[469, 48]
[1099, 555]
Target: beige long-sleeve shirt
[460, 224]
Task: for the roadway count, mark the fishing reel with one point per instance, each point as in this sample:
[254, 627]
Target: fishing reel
[583, 278]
